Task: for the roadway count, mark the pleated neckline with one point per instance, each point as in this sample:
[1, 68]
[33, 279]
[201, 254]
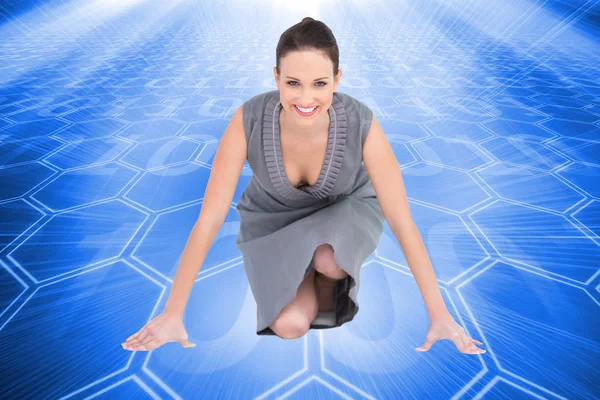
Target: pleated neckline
[333, 157]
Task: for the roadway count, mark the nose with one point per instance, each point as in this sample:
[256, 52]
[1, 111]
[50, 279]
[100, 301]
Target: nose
[306, 98]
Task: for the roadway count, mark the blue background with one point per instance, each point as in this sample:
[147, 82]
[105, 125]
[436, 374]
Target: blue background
[110, 116]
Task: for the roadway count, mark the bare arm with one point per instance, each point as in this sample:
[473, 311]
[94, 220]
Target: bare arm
[226, 170]
[385, 174]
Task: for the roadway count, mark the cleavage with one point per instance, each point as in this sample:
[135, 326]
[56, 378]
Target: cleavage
[303, 160]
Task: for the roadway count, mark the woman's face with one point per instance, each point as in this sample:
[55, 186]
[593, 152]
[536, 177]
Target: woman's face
[306, 81]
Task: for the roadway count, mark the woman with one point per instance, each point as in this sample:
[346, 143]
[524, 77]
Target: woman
[324, 179]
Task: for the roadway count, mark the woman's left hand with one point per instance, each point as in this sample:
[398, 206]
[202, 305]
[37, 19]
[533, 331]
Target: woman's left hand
[446, 328]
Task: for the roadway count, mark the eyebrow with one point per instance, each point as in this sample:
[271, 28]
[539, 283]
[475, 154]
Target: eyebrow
[318, 79]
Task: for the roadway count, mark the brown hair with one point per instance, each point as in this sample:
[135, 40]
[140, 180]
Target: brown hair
[308, 35]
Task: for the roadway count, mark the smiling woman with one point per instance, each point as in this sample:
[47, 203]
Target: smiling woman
[310, 215]
[309, 55]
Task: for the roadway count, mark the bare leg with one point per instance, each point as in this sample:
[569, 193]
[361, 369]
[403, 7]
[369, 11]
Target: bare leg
[328, 273]
[295, 318]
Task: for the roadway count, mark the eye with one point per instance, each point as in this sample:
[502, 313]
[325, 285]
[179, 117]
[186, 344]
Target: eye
[323, 83]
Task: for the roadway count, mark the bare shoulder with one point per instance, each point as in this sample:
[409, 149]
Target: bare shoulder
[234, 137]
[225, 172]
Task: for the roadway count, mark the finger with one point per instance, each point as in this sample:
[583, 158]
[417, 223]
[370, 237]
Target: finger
[135, 337]
[140, 339]
[144, 335]
[130, 338]
[149, 338]
[474, 350]
[477, 342]
[461, 342]
[477, 350]
[131, 346]
[471, 349]
[187, 343]
[427, 345]
[126, 346]
[150, 345]
[134, 342]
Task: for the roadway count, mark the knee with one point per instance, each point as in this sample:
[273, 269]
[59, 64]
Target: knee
[324, 262]
[291, 326]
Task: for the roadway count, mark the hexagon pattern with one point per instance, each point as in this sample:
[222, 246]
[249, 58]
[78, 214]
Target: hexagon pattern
[110, 121]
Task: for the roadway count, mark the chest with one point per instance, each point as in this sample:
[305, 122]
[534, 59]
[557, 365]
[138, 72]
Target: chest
[303, 157]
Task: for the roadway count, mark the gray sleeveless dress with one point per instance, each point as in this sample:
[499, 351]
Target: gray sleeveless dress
[282, 225]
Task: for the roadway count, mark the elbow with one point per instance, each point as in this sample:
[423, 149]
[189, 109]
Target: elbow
[209, 225]
[403, 226]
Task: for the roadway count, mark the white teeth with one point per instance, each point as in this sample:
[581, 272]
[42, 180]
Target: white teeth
[306, 110]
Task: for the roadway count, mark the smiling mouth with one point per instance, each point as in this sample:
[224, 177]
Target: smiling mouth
[304, 113]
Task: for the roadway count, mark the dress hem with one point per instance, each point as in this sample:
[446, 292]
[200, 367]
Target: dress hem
[346, 308]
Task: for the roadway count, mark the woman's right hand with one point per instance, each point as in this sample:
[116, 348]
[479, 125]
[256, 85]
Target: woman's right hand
[164, 328]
